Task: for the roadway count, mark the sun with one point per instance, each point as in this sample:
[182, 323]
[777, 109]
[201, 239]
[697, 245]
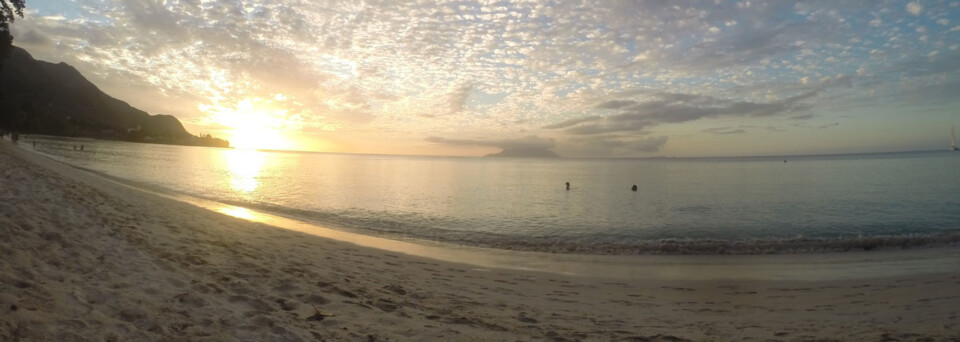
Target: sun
[263, 138]
[254, 124]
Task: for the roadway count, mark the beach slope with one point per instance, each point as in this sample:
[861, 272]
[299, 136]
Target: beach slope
[85, 258]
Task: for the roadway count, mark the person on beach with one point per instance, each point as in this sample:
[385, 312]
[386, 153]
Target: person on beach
[634, 188]
[568, 185]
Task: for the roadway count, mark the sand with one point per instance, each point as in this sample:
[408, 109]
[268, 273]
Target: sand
[85, 258]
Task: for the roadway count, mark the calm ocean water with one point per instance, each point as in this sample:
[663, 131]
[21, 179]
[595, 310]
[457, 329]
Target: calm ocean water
[523, 204]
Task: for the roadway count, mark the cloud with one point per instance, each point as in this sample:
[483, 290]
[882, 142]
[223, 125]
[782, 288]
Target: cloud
[565, 67]
[529, 146]
[572, 122]
[924, 65]
[615, 104]
[613, 145]
[724, 130]
[458, 98]
[915, 8]
[828, 125]
[33, 38]
[744, 48]
[663, 108]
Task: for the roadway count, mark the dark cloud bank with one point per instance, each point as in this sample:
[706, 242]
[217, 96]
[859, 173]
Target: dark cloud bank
[635, 116]
[628, 130]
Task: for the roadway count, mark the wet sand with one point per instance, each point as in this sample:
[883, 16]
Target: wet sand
[85, 258]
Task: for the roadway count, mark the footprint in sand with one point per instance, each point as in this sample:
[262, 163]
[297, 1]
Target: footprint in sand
[523, 318]
[190, 300]
[287, 305]
[396, 289]
[386, 305]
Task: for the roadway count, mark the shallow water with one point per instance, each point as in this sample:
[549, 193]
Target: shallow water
[523, 204]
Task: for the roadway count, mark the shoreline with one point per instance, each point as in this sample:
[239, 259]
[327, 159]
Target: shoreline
[806, 266]
[820, 265]
[88, 258]
[798, 244]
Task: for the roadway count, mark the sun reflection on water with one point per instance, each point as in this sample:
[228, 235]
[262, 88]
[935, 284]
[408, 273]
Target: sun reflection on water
[244, 167]
[238, 212]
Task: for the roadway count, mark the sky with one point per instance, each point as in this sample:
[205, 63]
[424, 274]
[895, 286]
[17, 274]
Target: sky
[469, 78]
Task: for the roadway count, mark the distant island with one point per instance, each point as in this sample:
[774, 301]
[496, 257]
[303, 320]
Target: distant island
[525, 153]
[38, 97]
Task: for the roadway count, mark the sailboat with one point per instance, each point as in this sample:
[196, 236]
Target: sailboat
[953, 138]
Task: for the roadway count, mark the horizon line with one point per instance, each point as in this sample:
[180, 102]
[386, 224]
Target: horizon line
[599, 158]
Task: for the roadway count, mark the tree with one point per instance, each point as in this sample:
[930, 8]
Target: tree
[9, 10]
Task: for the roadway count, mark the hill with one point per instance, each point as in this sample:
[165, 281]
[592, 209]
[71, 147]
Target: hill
[55, 99]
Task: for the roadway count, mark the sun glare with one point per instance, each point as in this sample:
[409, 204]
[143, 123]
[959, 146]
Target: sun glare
[254, 124]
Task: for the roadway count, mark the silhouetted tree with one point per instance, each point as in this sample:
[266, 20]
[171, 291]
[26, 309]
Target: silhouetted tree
[9, 10]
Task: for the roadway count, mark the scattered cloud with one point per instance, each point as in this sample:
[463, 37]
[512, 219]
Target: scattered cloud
[593, 75]
[915, 8]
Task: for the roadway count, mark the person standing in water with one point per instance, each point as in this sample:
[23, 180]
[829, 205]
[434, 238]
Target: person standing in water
[568, 185]
[634, 188]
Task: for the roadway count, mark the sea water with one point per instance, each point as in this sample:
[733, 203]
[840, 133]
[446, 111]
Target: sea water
[524, 204]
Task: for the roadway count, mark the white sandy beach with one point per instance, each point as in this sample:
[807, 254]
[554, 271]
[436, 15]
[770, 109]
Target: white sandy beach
[83, 258]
